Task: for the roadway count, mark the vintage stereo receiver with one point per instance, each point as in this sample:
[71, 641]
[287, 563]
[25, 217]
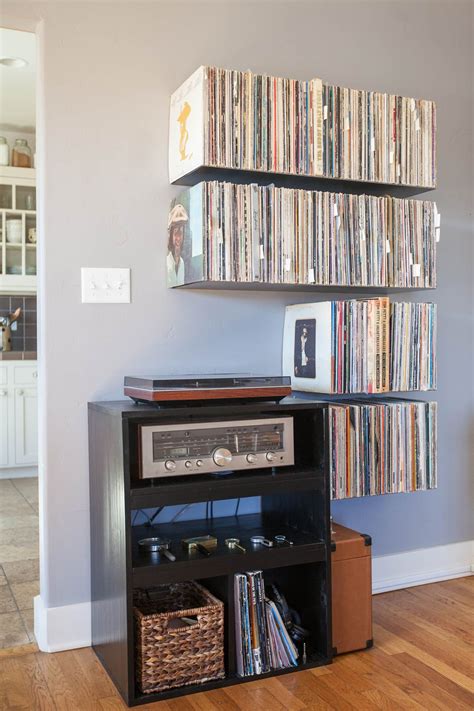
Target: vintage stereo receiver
[206, 447]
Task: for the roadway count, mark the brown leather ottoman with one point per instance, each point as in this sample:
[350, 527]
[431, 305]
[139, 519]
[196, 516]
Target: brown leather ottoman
[351, 590]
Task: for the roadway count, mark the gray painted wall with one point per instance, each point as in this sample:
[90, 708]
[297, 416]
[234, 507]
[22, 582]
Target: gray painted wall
[108, 70]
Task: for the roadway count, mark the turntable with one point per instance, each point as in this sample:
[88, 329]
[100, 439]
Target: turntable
[226, 386]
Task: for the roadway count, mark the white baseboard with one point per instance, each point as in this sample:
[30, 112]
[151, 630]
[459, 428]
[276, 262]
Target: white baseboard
[61, 628]
[69, 626]
[422, 566]
[18, 472]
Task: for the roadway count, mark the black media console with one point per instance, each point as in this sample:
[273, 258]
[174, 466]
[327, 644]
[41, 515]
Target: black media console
[294, 501]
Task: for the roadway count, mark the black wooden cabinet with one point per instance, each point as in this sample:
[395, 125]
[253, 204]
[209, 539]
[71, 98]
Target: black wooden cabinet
[294, 500]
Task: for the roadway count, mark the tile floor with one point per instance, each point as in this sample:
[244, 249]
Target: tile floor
[19, 565]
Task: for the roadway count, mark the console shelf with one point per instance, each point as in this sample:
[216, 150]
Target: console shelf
[152, 492]
[293, 501]
[151, 569]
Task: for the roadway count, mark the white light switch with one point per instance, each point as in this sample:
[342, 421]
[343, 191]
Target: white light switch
[105, 285]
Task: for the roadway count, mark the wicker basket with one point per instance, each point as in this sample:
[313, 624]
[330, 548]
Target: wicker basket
[170, 651]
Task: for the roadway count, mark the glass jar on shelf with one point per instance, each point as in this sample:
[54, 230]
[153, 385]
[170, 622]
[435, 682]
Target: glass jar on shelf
[4, 152]
[21, 154]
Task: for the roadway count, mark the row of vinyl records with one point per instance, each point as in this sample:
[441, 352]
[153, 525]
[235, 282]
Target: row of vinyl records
[262, 640]
[360, 346]
[380, 447]
[241, 120]
[265, 234]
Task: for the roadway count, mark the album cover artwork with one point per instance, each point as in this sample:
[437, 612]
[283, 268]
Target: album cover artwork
[184, 257]
[305, 348]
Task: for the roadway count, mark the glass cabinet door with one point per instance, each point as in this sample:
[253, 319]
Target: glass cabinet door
[6, 197]
[25, 197]
[18, 258]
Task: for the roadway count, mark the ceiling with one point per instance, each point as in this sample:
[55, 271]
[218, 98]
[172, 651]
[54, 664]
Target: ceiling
[17, 85]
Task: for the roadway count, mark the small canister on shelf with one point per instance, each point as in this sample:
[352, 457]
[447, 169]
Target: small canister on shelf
[4, 152]
[21, 154]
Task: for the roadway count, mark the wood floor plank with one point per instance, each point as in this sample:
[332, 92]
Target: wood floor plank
[112, 703]
[383, 702]
[24, 686]
[433, 600]
[179, 704]
[81, 686]
[211, 701]
[399, 645]
[334, 683]
[422, 659]
[461, 697]
[366, 664]
[281, 693]
[390, 667]
[412, 633]
[455, 632]
[462, 585]
[309, 689]
[453, 597]
[58, 683]
[253, 696]
[303, 692]
[341, 670]
[460, 625]
[94, 672]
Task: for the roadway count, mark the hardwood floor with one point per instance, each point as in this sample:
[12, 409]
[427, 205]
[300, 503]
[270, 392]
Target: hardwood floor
[422, 659]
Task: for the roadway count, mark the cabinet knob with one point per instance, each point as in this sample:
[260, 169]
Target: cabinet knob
[35, 374]
[3, 393]
[20, 393]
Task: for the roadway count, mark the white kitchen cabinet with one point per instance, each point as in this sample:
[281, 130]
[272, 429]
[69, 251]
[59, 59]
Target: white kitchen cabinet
[4, 426]
[26, 426]
[17, 250]
[18, 416]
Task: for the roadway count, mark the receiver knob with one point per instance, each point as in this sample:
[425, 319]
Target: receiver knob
[170, 465]
[188, 464]
[199, 462]
[251, 458]
[222, 456]
[270, 456]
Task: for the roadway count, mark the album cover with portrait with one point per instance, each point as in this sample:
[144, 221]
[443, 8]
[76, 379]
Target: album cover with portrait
[184, 251]
[307, 347]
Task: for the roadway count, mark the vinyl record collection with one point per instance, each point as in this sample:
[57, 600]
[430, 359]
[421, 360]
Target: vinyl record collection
[265, 123]
[361, 346]
[382, 447]
[262, 640]
[285, 236]
[413, 330]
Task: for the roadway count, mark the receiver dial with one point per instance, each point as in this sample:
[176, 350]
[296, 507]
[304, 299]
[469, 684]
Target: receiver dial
[222, 456]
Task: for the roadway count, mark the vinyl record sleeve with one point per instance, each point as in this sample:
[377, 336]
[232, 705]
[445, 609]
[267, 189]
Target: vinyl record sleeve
[307, 347]
[186, 137]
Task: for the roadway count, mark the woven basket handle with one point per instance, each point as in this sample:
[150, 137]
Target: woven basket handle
[184, 622]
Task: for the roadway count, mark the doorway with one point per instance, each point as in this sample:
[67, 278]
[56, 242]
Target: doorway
[19, 519]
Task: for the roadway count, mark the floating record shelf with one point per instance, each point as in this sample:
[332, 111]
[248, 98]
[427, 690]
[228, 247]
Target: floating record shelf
[316, 288]
[303, 182]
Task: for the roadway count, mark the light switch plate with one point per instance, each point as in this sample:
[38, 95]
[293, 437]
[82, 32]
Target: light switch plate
[105, 285]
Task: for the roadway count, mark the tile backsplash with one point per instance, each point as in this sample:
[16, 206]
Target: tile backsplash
[24, 338]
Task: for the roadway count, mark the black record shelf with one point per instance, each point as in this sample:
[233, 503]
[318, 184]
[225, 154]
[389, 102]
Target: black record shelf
[226, 285]
[294, 501]
[304, 182]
